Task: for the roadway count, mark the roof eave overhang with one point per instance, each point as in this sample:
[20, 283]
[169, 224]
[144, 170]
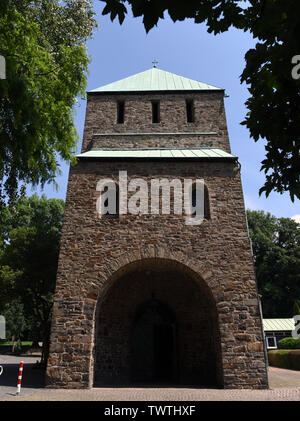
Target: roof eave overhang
[153, 159]
[156, 92]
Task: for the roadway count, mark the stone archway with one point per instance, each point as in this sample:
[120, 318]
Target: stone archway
[185, 313]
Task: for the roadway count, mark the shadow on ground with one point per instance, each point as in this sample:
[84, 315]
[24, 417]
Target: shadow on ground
[32, 377]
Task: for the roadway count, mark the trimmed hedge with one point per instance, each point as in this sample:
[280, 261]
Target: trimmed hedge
[289, 343]
[284, 358]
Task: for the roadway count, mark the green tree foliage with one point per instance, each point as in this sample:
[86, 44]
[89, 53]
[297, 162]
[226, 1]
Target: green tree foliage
[276, 250]
[43, 42]
[296, 309]
[289, 343]
[284, 358]
[15, 321]
[29, 256]
[274, 104]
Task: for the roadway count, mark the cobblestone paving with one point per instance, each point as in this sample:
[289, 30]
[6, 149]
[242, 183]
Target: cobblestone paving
[284, 386]
[168, 394]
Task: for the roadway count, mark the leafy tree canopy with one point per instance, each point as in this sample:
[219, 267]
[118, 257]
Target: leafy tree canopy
[43, 43]
[15, 320]
[30, 235]
[276, 250]
[274, 104]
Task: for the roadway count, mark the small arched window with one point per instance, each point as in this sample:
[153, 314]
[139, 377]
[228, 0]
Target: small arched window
[120, 112]
[109, 201]
[205, 197]
[155, 112]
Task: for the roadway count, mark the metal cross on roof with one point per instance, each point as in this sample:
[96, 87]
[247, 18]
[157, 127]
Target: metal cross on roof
[154, 62]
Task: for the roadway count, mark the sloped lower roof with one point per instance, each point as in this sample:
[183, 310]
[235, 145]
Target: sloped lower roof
[159, 153]
[155, 79]
[278, 324]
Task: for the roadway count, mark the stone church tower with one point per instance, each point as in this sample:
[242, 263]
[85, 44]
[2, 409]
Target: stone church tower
[147, 298]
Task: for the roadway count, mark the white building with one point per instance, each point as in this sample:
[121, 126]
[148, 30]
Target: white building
[277, 329]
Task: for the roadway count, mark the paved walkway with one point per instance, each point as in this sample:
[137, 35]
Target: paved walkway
[168, 394]
[279, 377]
[284, 386]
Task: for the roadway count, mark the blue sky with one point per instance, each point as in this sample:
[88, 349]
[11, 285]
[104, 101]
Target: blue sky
[184, 48]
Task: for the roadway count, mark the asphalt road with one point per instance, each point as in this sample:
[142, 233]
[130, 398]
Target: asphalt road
[32, 379]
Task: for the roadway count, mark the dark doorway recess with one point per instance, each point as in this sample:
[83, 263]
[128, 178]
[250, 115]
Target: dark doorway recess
[157, 324]
[153, 344]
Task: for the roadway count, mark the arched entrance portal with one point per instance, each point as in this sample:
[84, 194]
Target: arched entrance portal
[153, 344]
[157, 323]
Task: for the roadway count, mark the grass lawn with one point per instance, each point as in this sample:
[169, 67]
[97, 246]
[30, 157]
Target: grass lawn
[9, 343]
[6, 347]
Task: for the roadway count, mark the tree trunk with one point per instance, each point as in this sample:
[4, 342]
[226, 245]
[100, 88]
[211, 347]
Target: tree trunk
[46, 346]
[13, 343]
[35, 344]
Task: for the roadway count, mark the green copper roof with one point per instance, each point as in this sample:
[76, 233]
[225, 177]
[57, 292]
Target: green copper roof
[159, 153]
[155, 79]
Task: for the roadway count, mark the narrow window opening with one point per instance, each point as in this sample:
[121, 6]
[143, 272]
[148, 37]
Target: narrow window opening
[117, 202]
[110, 202]
[155, 112]
[120, 112]
[190, 110]
[206, 201]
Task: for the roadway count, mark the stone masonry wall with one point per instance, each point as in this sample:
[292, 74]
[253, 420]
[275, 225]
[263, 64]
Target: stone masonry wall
[208, 130]
[95, 250]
